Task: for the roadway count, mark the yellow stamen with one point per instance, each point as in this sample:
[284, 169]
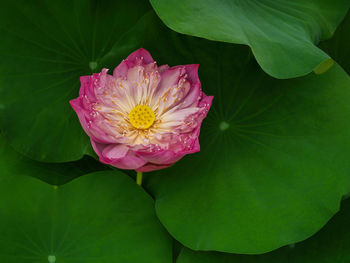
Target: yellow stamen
[141, 117]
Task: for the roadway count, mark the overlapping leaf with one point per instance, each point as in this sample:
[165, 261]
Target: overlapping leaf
[13, 164]
[97, 218]
[331, 244]
[45, 47]
[281, 33]
[338, 46]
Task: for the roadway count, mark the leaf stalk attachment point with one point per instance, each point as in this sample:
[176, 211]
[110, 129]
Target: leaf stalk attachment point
[139, 178]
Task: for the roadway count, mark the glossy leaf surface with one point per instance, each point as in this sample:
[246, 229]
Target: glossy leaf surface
[331, 244]
[13, 163]
[281, 33]
[45, 47]
[97, 218]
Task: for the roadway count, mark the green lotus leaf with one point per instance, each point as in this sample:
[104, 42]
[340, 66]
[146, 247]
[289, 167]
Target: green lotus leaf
[13, 163]
[98, 218]
[45, 47]
[271, 170]
[331, 244]
[282, 34]
[273, 164]
[338, 46]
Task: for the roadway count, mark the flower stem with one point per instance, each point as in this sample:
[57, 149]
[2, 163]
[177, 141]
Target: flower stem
[139, 178]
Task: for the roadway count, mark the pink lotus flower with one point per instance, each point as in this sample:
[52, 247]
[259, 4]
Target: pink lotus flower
[144, 117]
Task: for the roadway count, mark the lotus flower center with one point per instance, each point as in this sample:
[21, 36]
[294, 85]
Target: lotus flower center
[141, 117]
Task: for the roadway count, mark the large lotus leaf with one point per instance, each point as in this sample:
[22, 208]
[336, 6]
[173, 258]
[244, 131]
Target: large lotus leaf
[45, 47]
[274, 153]
[281, 33]
[338, 46]
[330, 245]
[97, 218]
[271, 171]
[13, 163]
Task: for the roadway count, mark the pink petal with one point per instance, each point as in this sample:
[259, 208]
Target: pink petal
[206, 102]
[121, 70]
[163, 68]
[76, 105]
[129, 162]
[140, 56]
[116, 151]
[84, 82]
[194, 95]
[117, 155]
[179, 88]
[84, 117]
[159, 157]
[98, 147]
[169, 78]
[192, 73]
[149, 167]
[140, 53]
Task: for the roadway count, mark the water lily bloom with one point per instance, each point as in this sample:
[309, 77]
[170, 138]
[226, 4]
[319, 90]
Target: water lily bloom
[143, 117]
